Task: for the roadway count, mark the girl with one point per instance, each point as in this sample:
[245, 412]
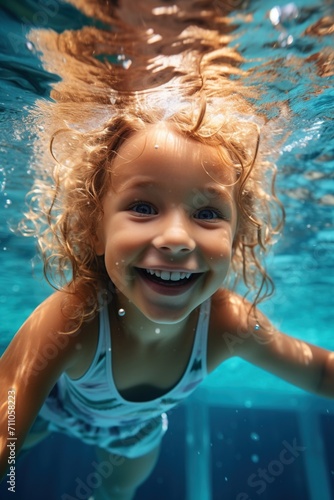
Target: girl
[155, 218]
[159, 202]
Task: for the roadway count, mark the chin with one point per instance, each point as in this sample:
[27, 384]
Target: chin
[167, 315]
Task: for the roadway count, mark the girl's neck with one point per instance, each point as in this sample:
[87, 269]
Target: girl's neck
[133, 324]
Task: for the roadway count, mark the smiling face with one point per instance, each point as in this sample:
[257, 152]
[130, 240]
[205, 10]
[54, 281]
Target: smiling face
[168, 228]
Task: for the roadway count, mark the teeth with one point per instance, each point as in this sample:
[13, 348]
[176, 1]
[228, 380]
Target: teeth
[169, 275]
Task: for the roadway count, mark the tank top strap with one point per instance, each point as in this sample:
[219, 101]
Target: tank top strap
[199, 353]
[104, 343]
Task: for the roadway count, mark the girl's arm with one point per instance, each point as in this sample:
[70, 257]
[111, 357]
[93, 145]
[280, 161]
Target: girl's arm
[300, 363]
[305, 365]
[29, 368]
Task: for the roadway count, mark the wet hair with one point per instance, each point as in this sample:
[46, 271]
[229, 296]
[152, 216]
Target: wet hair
[84, 134]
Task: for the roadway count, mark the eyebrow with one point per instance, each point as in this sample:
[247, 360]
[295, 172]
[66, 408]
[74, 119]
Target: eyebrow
[210, 190]
[139, 182]
[217, 190]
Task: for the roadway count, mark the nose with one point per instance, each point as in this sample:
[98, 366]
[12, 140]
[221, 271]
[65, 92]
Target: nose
[174, 236]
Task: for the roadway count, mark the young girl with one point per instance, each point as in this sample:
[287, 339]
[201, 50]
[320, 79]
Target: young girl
[159, 202]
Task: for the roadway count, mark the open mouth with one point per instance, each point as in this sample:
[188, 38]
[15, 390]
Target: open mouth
[168, 278]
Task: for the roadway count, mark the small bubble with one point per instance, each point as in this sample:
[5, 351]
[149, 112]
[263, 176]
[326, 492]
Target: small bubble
[255, 458]
[8, 202]
[126, 64]
[254, 436]
[156, 146]
[29, 46]
[121, 312]
[157, 330]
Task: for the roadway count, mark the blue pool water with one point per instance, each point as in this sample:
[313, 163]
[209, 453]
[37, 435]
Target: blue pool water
[241, 419]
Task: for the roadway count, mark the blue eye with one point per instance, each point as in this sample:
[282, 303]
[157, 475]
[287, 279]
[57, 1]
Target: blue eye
[143, 208]
[208, 214]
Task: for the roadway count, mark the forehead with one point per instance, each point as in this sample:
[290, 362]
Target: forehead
[161, 152]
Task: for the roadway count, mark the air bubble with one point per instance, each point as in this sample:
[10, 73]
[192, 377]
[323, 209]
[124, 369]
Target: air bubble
[254, 436]
[126, 64]
[29, 46]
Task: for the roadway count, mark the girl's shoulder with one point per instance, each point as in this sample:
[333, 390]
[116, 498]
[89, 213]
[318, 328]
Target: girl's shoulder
[53, 342]
[48, 338]
[230, 311]
[232, 323]
[74, 346]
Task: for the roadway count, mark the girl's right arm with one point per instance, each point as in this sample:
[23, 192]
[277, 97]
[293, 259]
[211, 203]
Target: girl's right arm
[29, 368]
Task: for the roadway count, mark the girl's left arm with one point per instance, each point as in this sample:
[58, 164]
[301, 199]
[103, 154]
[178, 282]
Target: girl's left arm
[296, 361]
[239, 331]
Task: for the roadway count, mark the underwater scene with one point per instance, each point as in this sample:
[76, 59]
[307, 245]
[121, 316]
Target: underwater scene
[244, 434]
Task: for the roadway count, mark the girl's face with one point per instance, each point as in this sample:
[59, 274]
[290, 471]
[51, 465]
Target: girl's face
[168, 227]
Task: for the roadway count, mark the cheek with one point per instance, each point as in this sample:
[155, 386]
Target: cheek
[220, 247]
[118, 258]
[119, 274]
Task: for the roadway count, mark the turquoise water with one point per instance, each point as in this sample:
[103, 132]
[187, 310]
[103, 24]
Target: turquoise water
[241, 416]
[302, 263]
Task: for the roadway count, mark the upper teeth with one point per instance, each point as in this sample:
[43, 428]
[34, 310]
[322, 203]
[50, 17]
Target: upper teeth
[169, 275]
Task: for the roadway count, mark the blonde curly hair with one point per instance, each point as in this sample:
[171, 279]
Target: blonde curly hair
[86, 126]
